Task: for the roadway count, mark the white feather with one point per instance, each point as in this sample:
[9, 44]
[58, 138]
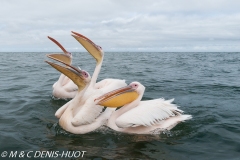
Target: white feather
[148, 113]
[89, 110]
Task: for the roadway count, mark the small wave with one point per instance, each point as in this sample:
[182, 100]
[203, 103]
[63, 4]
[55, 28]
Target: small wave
[56, 98]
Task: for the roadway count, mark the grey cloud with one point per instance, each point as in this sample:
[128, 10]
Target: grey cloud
[187, 25]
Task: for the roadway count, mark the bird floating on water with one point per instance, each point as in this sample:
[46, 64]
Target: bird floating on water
[64, 88]
[84, 113]
[140, 117]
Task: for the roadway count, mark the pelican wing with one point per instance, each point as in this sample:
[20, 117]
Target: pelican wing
[87, 115]
[110, 83]
[148, 113]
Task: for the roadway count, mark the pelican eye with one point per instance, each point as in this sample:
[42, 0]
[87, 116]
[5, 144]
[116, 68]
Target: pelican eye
[84, 74]
[134, 85]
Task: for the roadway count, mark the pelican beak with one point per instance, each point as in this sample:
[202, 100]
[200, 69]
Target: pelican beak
[58, 44]
[90, 46]
[75, 74]
[61, 58]
[118, 97]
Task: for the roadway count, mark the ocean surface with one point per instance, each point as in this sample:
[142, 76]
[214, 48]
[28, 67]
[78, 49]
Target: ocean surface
[205, 85]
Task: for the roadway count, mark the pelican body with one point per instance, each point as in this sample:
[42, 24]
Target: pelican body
[82, 114]
[67, 112]
[64, 88]
[140, 117]
[88, 114]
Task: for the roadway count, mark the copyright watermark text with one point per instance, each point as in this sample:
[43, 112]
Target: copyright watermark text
[42, 154]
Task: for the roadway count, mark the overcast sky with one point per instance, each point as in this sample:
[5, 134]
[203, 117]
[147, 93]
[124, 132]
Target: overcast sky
[121, 25]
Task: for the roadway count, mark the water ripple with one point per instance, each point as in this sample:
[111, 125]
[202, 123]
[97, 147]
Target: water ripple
[205, 85]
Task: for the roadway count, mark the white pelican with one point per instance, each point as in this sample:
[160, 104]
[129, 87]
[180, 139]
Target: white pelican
[64, 88]
[82, 114]
[94, 90]
[140, 117]
[66, 112]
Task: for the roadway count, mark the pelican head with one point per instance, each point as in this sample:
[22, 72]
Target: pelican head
[95, 50]
[121, 96]
[80, 77]
[66, 57]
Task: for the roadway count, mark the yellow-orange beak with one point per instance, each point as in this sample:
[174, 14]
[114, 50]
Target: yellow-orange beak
[90, 46]
[68, 56]
[118, 97]
[79, 77]
[61, 58]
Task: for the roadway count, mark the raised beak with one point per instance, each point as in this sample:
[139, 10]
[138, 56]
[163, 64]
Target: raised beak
[75, 74]
[89, 45]
[118, 97]
[59, 45]
[61, 58]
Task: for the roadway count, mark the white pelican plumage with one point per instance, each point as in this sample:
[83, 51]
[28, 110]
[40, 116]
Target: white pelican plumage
[67, 112]
[140, 117]
[82, 114]
[64, 88]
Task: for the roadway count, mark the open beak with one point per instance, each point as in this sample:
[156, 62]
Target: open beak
[89, 45]
[118, 97]
[67, 58]
[58, 44]
[61, 58]
[75, 74]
